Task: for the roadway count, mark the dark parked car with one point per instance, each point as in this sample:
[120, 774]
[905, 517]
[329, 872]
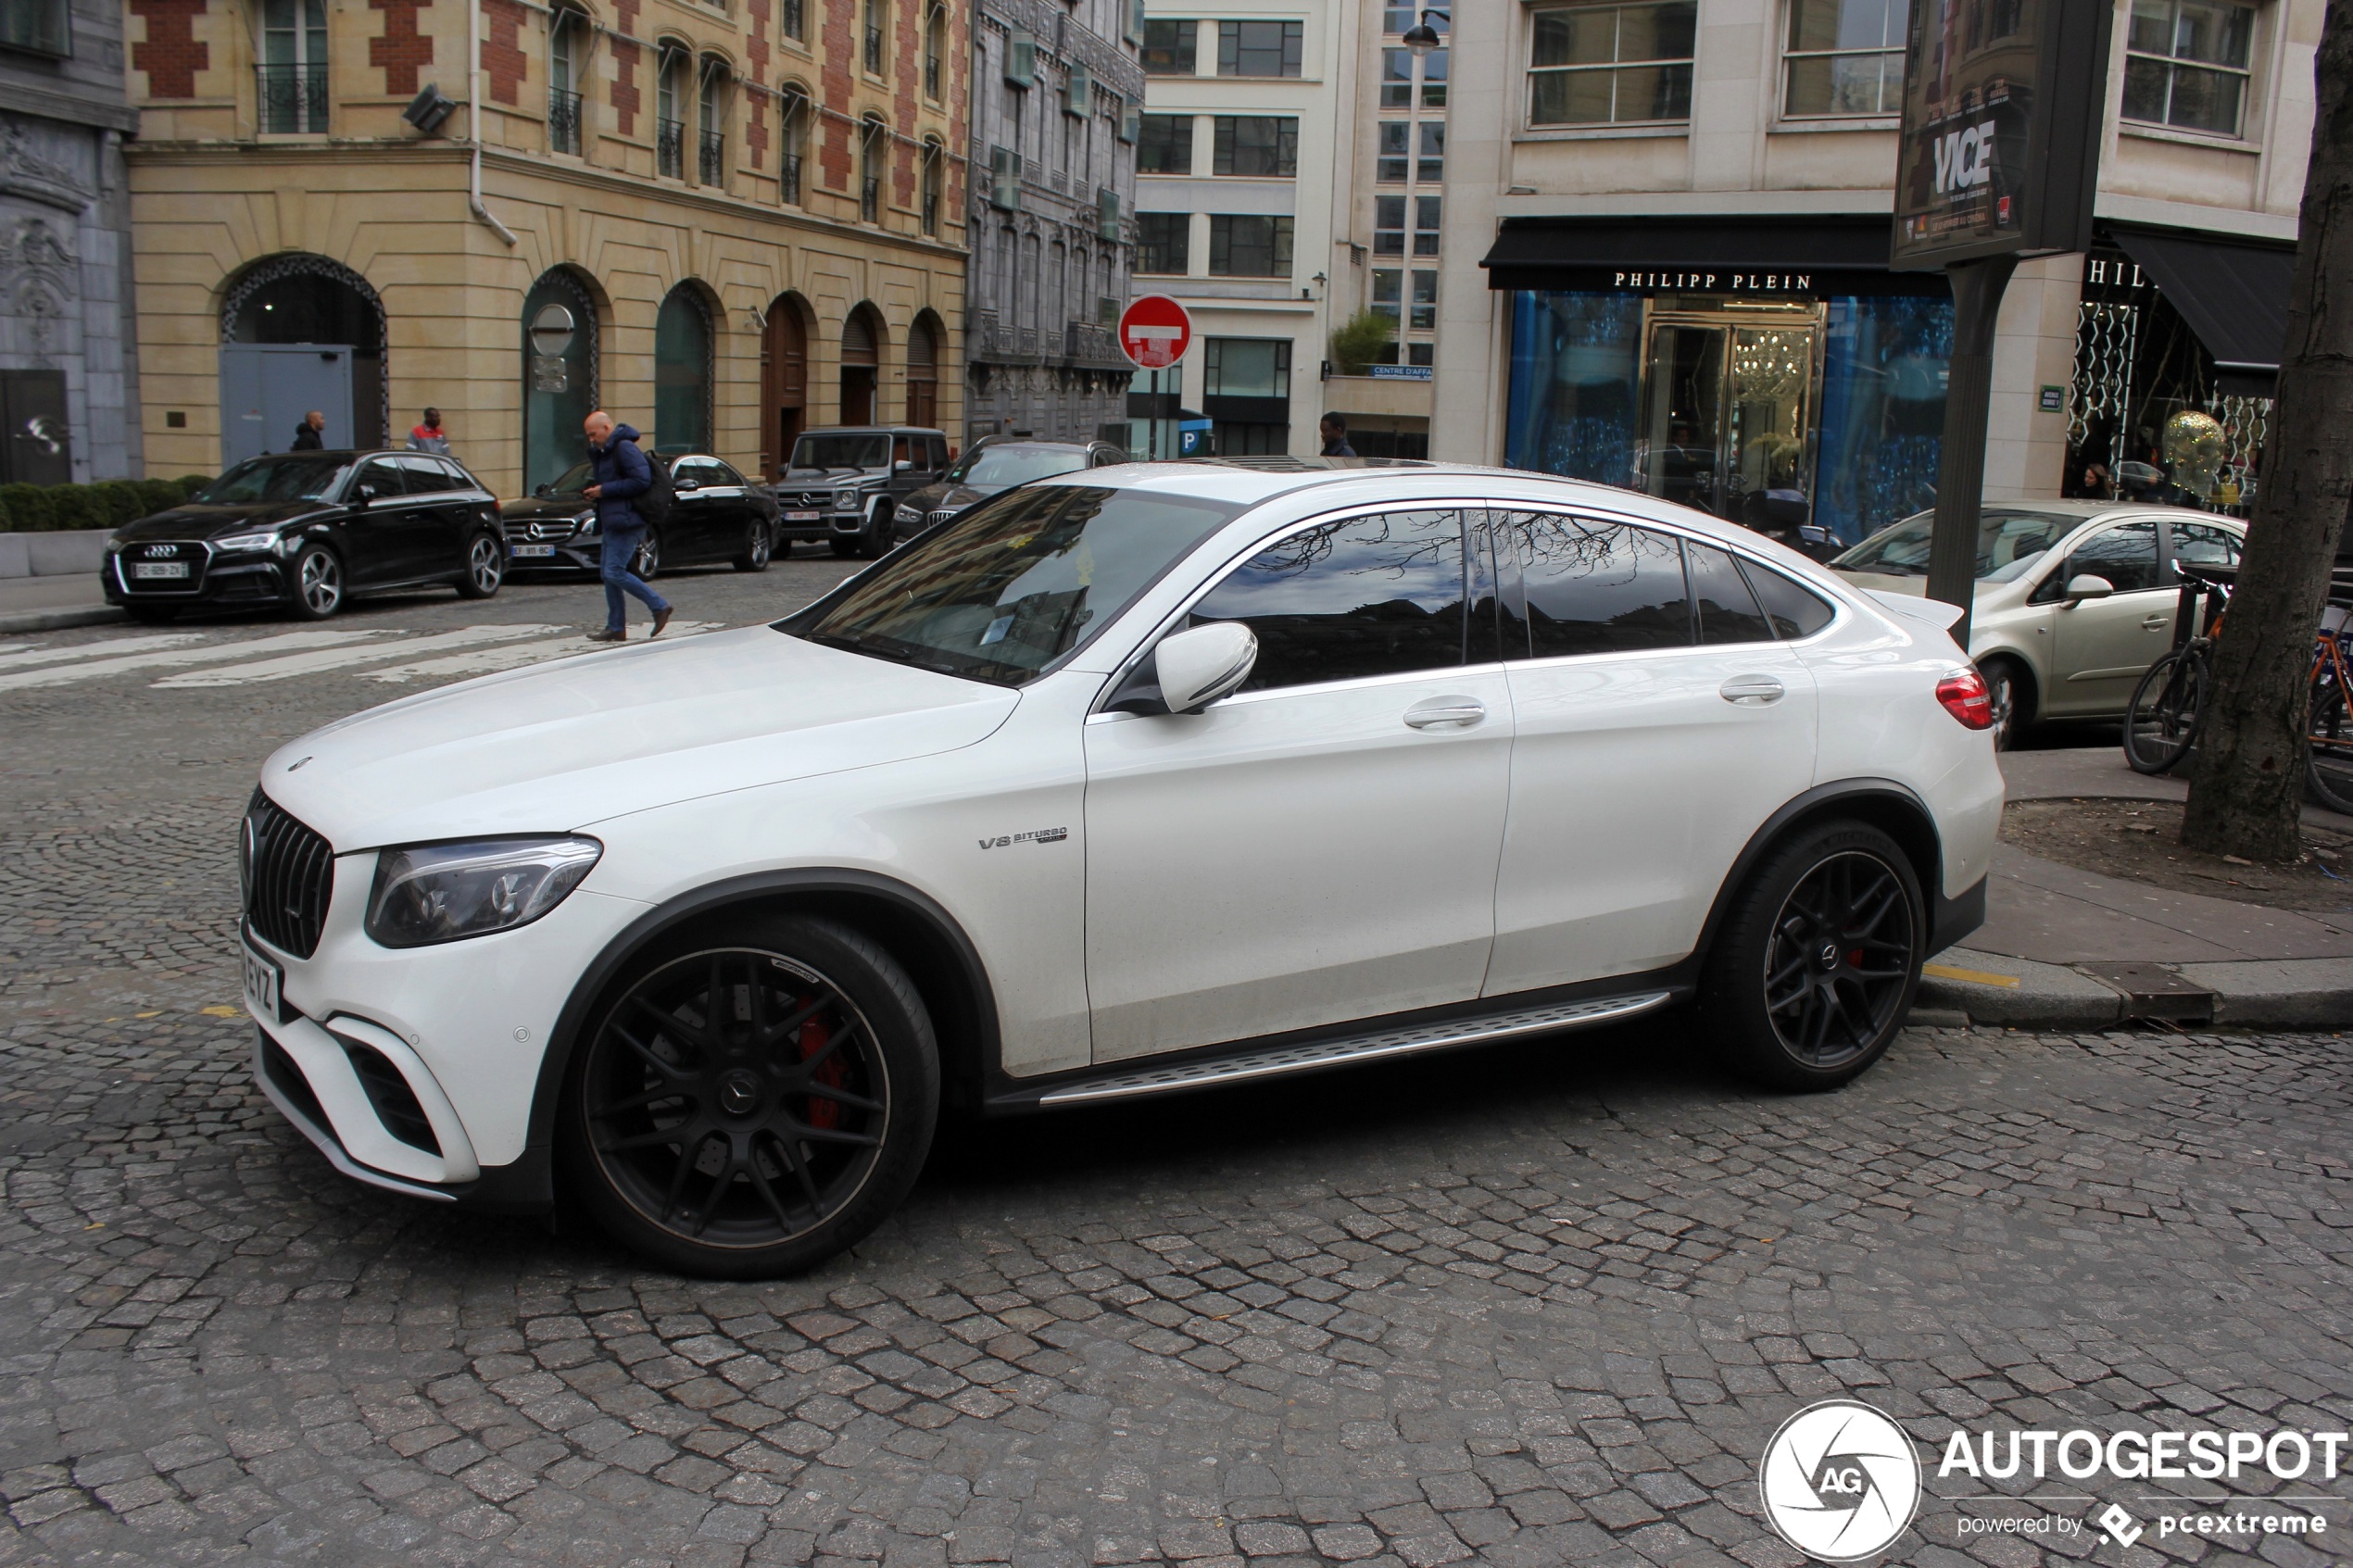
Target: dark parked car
[308, 531]
[1000, 462]
[716, 515]
[848, 485]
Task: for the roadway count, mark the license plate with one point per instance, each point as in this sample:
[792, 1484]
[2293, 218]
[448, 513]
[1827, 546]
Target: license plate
[534, 552]
[803, 517]
[152, 569]
[263, 978]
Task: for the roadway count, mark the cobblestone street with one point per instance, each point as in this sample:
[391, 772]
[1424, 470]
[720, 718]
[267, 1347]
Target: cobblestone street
[1534, 1305]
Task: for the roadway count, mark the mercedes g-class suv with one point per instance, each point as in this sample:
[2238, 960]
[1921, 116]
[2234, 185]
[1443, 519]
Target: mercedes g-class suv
[846, 485]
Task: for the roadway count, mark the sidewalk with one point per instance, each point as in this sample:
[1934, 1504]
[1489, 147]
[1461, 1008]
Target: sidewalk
[49, 604]
[2063, 947]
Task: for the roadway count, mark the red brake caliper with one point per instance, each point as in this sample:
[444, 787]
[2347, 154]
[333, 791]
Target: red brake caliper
[830, 1073]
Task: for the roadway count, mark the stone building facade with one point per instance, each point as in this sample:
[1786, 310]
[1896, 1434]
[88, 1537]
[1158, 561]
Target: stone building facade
[1056, 91]
[726, 224]
[69, 381]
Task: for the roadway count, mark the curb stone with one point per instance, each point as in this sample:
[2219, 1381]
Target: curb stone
[60, 619]
[2288, 992]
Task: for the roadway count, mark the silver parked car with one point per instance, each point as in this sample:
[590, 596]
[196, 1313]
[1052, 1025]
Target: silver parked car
[2075, 599]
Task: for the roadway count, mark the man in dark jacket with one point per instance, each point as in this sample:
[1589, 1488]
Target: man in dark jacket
[1334, 431]
[623, 473]
[310, 435]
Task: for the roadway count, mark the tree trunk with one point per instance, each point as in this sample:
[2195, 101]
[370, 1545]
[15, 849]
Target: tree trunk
[2248, 782]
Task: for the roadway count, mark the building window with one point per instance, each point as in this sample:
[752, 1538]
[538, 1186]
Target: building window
[931, 185]
[1420, 353]
[1846, 57]
[1400, 18]
[670, 129]
[1388, 225]
[1397, 79]
[2186, 64]
[1434, 79]
[872, 144]
[40, 26]
[1432, 165]
[1171, 48]
[1424, 317]
[1396, 138]
[1613, 65]
[792, 128]
[1426, 225]
[293, 74]
[1388, 285]
[1261, 144]
[796, 23]
[1164, 144]
[566, 32]
[877, 28]
[711, 162]
[1246, 367]
[935, 52]
[1248, 246]
[1259, 48]
[1163, 243]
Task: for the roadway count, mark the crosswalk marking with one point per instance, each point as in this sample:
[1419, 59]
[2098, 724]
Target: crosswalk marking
[485, 662]
[317, 660]
[24, 656]
[62, 674]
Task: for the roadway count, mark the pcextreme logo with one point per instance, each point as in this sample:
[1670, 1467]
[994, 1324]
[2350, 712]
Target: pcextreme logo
[1840, 1481]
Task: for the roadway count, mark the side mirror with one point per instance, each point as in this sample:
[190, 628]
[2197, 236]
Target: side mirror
[2086, 586]
[1197, 666]
[901, 466]
[686, 482]
[364, 495]
[543, 489]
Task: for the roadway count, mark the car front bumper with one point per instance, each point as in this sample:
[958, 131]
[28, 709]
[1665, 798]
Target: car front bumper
[225, 581]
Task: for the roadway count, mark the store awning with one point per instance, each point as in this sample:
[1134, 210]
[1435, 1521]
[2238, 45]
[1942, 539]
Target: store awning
[1834, 251]
[2234, 295]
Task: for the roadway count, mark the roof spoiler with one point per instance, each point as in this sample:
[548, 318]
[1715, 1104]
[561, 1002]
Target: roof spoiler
[1934, 613]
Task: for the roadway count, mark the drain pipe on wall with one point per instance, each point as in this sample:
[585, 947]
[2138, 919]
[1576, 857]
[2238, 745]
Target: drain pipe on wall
[474, 120]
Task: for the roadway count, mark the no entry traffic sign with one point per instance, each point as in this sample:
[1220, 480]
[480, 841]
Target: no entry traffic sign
[1154, 330]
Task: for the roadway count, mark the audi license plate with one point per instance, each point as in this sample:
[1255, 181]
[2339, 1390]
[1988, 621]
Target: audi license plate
[801, 516]
[534, 552]
[263, 979]
[152, 569]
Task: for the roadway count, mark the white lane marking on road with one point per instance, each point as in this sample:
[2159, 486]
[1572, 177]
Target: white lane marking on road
[319, 660]
[165, 659]
[488, 661]
[25, 656]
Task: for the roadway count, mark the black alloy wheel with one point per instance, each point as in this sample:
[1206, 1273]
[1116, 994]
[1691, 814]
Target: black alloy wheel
[647, 562]
[316, 578]
[2005, 691]
[758, 545]
[751, 1103]
[881, 528]
[485, 568]
[1815, 969]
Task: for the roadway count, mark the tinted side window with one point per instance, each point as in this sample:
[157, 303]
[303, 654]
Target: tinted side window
[1794, 612]
[2202, 544]
[459, 478]
[1728, 611]
[1596, 587]
[1370, 596]
[384, 474]
[426, 477]
[2125, 554]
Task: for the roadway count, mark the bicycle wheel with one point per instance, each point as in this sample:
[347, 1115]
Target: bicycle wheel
[2161, 722]
[2328, 766]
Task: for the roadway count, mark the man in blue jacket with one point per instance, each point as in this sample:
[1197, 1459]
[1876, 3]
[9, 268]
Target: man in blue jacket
[622, 472]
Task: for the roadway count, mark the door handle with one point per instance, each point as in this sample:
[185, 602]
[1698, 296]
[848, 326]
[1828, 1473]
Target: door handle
[1441, 712]
[1751, 691]
[2152, 622]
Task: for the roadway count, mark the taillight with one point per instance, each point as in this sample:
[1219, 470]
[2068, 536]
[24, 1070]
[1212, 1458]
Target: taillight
[1965, 697]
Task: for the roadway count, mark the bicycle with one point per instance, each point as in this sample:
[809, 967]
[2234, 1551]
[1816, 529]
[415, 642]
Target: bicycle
[2328, 764]
[2161, 723]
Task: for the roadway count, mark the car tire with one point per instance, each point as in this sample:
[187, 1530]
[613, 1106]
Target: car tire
[1816, 964]
[721, 1153]
[318, 587]
[153, 615]
[758, 547]
[881, 526]
[646, 564]
[485, 567]
[2011, 694]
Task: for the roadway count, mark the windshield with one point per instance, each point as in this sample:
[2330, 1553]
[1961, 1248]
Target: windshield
[578, 477]
[842, 452]
[1016, 582]
[1005, 467]
[273, 479]
[2007, 543]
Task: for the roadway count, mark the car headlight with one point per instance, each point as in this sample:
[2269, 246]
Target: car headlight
[586, 522]
[245, 544]
[432, 893]
[846, 500]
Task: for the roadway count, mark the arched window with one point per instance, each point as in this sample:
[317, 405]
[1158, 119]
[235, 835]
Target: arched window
[559, 373]
[682, 373]
[670, 110]
[299, 333]
[860, 366]
[293, 76]
[792, 141]
[873, 143]
[934, 53]
[710, 159]
[568, 37]
[923, 373]
[933, 156]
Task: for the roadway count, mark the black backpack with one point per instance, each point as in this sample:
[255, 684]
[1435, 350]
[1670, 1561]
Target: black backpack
[653, 503]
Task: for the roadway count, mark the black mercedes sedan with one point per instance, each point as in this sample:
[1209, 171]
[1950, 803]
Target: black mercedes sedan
[716, 516]
[307, 531]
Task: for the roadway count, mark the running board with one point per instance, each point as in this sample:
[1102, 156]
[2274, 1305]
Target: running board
[1351, 1050]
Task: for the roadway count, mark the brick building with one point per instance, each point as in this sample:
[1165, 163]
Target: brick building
[725, 223]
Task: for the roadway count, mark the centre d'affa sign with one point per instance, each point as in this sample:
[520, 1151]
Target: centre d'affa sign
[2000, 141]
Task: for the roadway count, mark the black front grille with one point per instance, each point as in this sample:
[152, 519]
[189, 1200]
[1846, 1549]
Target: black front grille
[186, 553]
[289, 872]
[395, 1102]
[279, 1066]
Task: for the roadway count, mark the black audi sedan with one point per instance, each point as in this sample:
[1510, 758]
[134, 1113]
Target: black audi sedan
[307, 531]
[1000, 462]
[716, 516]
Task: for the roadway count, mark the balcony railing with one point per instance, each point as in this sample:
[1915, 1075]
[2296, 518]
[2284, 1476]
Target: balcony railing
[1091, 345]
[710, 167]
[870, 199]
[790, 171]
[563, 121]
[874, 47]
[293, 98]
[670, 142]
[931, 212]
